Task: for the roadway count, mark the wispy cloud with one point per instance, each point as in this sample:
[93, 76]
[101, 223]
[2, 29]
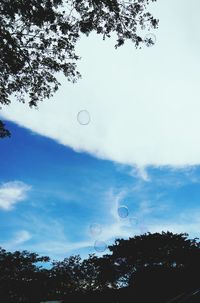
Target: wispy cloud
[183, 223]
[113, 199]
[149, 216]
[12, 193]
[21, 237]
[17, 240]
[117, 227]
[57, 248]
[48, 237]
[140, 172]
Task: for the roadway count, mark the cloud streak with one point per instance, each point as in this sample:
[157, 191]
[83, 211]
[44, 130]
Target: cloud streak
[17, 241]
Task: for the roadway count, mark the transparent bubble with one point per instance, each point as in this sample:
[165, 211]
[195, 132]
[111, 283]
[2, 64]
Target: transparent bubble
[95, 229]
[150, 39]
[83, 117]
[100, 246]
[133, 221]
[123, 211]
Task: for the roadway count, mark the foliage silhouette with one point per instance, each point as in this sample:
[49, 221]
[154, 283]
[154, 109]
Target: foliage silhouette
[3, 131]
[21, 280]
[152, 267]
[38, 40]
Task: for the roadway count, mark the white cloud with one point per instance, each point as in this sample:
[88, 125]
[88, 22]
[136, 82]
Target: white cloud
[144, 104]
[12, 193]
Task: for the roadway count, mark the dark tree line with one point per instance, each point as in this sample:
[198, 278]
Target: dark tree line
[147, 268]
[38, 40]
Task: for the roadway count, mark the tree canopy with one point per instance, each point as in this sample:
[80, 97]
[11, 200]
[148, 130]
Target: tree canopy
[20, 275]
[151, 267]
[38, 40]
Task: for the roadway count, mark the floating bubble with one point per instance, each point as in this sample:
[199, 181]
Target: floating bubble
[95, 229]
[83, 117]
[150, 39]
[100, 246]
[133, 221]
[123, 211]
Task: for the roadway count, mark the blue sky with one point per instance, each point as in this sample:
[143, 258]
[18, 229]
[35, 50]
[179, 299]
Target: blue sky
[50, 195]
[141, 148]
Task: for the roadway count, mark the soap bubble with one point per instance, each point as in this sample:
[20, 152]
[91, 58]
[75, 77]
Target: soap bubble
[123, 211]
[133, 221]
[95, 229]
[83, 117]
[150, 39]
[100, 246]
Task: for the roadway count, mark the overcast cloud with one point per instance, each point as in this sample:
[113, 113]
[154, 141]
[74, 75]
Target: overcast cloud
[144, 104]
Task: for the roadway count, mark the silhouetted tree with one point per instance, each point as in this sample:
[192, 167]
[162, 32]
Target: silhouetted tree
[65, 276]
[74, 275]
[21, 279]
[38, 39]
[148, 267]
[157, 265]
[106, 275]
[151, 267]
[3, 131]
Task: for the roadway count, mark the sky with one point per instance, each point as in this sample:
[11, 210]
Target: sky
[60, 173]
